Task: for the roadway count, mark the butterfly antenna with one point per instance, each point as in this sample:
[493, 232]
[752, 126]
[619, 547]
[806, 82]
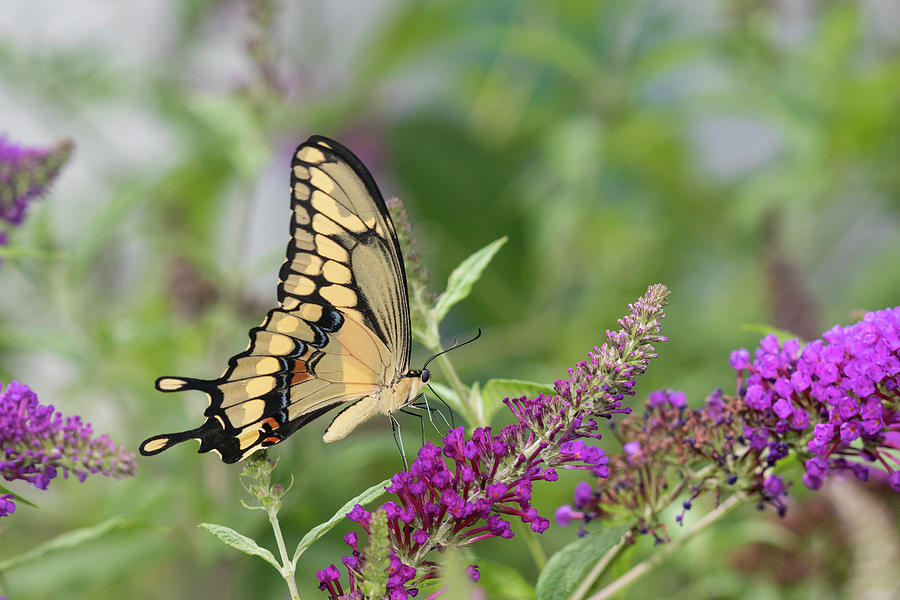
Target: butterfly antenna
[452, 423]
[455, 345]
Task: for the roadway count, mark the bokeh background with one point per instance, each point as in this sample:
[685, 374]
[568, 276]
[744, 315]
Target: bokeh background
[746, 154]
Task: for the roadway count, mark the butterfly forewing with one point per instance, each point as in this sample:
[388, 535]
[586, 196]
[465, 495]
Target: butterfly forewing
[345, 250]
[341, 332]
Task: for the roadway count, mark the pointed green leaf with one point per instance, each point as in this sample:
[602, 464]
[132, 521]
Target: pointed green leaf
[463, 277]
[241, 542]
[17, 498]
[15, 252]
[319, 530]
[568, 566]
[495, 390]
[70, 539]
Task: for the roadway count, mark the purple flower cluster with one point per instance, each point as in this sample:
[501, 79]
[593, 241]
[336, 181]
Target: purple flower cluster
[669, 451]
[835, 399]
[469, 489]
[834, 402]
[26, 173]
[459, 494]
[36, 444]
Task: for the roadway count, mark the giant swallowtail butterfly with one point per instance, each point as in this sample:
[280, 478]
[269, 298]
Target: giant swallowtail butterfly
[340, 334]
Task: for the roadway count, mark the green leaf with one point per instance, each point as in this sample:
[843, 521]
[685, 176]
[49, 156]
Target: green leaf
[463, 277]
[19, 499]
[70, 539]
[319, 530]
[241, 542]
[13, 252]
[763, 329]
[568, 566]
[495, 390]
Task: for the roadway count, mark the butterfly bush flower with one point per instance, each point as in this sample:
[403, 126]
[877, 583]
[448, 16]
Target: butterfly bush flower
[37, 444]
[26, 173]
[835, 400]
[832, 403]
[470, 489]
[670, 451]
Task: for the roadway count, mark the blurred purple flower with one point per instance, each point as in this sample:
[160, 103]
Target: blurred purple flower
[7, 506]
[472, 572]
[26, 173]
[36, 443]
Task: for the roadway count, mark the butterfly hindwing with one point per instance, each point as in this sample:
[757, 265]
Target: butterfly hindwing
[341, 332]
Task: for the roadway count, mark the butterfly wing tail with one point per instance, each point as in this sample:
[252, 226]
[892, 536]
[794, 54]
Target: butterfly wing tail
[211, 434]
[180, 384]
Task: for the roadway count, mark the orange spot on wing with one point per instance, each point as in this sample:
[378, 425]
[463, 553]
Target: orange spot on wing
[271, 440]
[300, 372]
[272, 423]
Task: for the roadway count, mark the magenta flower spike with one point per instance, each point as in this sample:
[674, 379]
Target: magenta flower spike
[470, 489]
[37, 444]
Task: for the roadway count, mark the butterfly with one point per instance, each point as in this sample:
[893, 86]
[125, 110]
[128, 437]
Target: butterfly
[340, 333]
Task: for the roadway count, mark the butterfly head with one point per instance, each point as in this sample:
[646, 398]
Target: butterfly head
[424, 375]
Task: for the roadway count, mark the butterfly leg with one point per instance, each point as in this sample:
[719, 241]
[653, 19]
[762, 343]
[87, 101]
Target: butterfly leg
[421, 403]
[398, 440]
[418, 416]
[444, 402]
[424, 405]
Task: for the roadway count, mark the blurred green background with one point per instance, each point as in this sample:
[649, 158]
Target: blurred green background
[746, 154]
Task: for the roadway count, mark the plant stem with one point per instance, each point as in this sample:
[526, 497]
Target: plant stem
[534, 547]
[598, 569]
[287, 567]
[643, 567]
[461, 390]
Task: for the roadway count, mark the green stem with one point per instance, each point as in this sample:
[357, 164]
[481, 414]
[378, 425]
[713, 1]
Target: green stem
[598, 569]
[642, 568]
[688, 479]
[287, 567]
[461, 390]
[534, 546]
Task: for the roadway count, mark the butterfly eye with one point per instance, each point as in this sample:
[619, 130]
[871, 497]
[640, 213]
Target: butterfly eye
[426, 375]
